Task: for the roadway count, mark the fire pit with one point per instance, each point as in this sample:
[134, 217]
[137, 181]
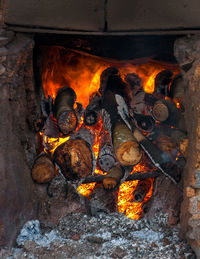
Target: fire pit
[93, 117]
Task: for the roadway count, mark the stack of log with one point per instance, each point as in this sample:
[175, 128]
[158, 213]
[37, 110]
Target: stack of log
[134, 123]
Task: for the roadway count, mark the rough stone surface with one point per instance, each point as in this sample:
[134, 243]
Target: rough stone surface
[105, 236]
[18, 108]
[187, 52]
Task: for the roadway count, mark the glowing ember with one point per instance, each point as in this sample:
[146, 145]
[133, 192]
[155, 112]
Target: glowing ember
[53, 143]
[126, 203]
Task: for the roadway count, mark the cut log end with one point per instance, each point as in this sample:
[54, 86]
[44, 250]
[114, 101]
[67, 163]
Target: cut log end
[74, 158]
[160, 112]
[113, 177]
[129, 153]
[67, 122]
[43, 170]
[90, 118]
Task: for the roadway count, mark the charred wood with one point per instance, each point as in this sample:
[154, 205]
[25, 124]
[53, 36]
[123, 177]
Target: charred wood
[157, 157]
[64, 110]
[106, 157]
[162, 82]
[75, 157]
[132, 177]
[43, 169]
[126, 148]
[141, 190]
[166, 111]
[177, 89]
[113, 177]
[92, 112]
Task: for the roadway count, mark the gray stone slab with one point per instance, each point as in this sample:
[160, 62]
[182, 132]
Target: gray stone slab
[129, 15]
[82, 15]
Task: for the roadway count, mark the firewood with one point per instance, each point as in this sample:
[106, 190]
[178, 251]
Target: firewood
[92, 111]
[177, 89]
[134, 94]
[113, 177]
[132, 177]
[141, 190]
[166, 144]
[144, 123]
[43, 169]
[162, 82]
[166, 111]
[106, 157]
[160, 111]
[64, 110]
[74, 157]
[157, 156]
[125, 145]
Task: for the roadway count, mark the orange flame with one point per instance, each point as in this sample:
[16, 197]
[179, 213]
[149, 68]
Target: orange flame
[63, 67]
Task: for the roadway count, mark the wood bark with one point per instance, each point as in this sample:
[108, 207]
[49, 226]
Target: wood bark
[162, 82]
[166, 111]
[157, 157]
[141, 190]
[92, 111]
[43, 169]
[106, 157]
[125, 145]
[64, 110]
[126, 148]
[177, 89]
[75, 157]
[135, 95]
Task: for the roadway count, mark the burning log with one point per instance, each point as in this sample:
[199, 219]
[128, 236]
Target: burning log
[162, 82]
[166, 111]
[92, 112]
[141, 190]
[113, 177]
[125, 145]
[74, 157]
[177, 89]
[43, 169]
[158, 158]
[64, 111]
[145, 123]
[132, 177]
[134, 95]
[106, 158]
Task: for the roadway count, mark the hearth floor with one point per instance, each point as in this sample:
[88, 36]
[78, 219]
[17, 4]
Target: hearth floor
[79, 236]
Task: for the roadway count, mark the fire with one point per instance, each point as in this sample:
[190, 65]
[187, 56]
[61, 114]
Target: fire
[63, 67]
[126, 204]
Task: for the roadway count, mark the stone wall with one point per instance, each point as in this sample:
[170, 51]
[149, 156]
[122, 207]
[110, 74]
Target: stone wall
[187, 52]
[18, 110]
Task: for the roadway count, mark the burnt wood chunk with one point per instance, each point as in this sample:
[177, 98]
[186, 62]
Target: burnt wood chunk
[64, 110]
[113, 177]
[92, 111]
[142, 189]
[43, 169]
[162, 82]
[166, 111]
[106, 157]
[74, 157]
[126, 148]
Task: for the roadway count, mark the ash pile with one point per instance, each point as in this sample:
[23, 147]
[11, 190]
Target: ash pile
[104, 236]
